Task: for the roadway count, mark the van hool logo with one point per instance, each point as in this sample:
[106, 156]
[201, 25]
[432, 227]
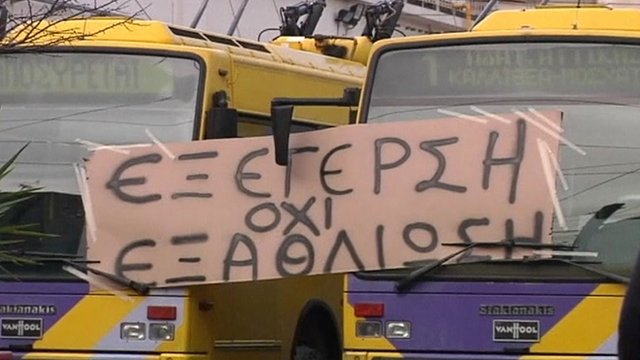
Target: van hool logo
[516, 330]
[21, 328]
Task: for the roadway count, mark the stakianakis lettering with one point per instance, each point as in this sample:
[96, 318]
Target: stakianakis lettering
[519, 310]
[27, 309]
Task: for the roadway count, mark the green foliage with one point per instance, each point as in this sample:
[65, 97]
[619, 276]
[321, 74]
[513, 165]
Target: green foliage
[9, 232]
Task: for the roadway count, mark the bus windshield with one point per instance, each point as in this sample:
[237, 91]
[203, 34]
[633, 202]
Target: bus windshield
[596, 86]
[61, 104]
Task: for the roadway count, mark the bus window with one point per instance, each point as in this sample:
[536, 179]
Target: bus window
[54, 101]
[596, 86]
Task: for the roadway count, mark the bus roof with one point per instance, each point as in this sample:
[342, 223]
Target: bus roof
[132, 30]
[543, 21]
[562, 18]
[99, 31]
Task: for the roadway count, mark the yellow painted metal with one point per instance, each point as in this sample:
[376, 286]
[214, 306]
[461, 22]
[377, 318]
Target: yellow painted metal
[251, 76]
[355, 49]
[547, 21]
[597, 312]
[563, 18]
[84, 315]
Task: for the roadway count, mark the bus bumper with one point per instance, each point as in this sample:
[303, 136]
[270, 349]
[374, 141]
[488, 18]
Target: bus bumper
[353, 355]
[94, 356]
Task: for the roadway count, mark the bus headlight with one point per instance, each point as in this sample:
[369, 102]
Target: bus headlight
[132, 331]
[398, 330]
[368, 328]
[162, 331]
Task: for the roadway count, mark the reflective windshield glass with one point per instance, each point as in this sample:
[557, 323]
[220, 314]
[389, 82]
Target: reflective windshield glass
[595, 86]
[61, 103]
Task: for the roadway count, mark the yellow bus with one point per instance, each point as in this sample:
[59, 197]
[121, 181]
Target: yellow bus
[582, 61]
[88, 83]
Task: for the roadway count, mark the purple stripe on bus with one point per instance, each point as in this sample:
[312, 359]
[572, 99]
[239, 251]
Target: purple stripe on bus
[460, 287]
[447, 315]
[48, 302]
[95, 356]
[23, 287]
[442, 322]
[440, 356]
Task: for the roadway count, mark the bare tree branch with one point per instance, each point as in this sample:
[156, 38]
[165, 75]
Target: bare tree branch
[37, 25]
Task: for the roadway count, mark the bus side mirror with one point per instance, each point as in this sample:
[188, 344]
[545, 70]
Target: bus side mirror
[281, 116]
[222, 121]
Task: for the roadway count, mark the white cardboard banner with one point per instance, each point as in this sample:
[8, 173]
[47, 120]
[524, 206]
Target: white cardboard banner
[358, 197]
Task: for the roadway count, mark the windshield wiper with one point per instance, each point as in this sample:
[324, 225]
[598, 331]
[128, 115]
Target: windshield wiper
[43, 255]
[138, 287]
[67, 259]
[514, 243]
[408, 281]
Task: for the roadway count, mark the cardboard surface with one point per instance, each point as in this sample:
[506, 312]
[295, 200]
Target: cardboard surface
[353, 198]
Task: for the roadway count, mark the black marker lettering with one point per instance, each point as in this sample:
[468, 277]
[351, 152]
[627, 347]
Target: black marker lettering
[295, 151]
[116, 183]
[324, 172]
[184, 279]
[434, 182]
[121, 267]
[408, 238]
[191, 195]
[198, 156]
[343, 238]
[515, 161]
[283, 258]
[538, 221]
[464, 236]
[380, 245]
[270, 207]
[189, 239]
[300, 216]
[229, 260]
[193, 177]
[241, 175]
[328, 213]
[194, 259]
[379, 166]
